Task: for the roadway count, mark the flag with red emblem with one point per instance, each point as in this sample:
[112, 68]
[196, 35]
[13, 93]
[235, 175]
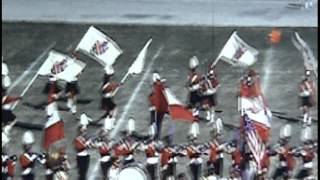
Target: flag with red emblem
[237, 52]
[61, 66]
[99, 47]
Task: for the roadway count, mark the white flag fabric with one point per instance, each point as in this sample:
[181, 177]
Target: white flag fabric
[99, 46]
[61, 66]
[137, 66]
[237, 52]
[310, 62]
[4, 69]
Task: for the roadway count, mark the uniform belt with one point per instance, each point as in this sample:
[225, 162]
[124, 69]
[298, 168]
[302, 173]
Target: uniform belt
[83, 153]
[27, 171]
[129, 157]
[152, 160]
[105, 158]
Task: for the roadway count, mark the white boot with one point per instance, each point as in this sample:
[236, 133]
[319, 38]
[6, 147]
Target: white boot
[69, 102]
[108, 123]
[74, 109]
[305, 119]
[309, 121]
[212, 112]
[208, 118]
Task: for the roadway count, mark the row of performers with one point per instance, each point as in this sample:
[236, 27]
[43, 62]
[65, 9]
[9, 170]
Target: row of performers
[116, 154]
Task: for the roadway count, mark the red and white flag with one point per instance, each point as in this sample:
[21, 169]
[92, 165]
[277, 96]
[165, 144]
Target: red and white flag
[237, 52]
[54, 129]
[99, 46]
[253, 104]
[177, 110]
[61, 66]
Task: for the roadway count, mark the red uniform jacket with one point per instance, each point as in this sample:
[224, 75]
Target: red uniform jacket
[150, 150]
[104, 149]
[80, 143]
[166, 155]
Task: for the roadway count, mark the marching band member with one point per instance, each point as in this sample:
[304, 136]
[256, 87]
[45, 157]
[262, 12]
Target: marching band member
[209, 87]
[8, 162]
[193, 84]
[7, 102]
[284, 151]
[52, 86]
[151, 148]
[107, 103]
[234, 150]
[307, 154]
[56, 164]
[216, 148]
[306, 94]
[168, 161]
[28, 158]
[157, 107]
[106, 158]
[82, 143]
[126, 147]
[194, 153]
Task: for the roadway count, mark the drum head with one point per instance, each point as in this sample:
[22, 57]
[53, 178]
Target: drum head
[133, 171]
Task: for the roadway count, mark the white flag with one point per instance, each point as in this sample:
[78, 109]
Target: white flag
[99, 46]
[61, 66]
[238, 52]
[310, 62]
[137, 65]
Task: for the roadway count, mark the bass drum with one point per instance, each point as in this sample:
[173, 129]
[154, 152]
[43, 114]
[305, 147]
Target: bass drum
[135, 171]
[61, 175]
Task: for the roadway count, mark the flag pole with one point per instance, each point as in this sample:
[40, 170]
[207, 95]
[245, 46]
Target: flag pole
[25, 90]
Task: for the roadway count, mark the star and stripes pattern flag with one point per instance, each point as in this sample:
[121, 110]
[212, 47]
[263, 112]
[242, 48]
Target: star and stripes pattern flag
[253, 140]
[310, 62]
[99, 47]
[61, 66]
[237, 52]
[54, 129]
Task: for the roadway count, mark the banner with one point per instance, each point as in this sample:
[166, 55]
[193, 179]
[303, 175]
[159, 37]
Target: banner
[99, 46]
[137, 66]
[237, 52]
[61, 66]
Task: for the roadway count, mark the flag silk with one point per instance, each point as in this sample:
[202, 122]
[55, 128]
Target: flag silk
[157, 97]
[54, 130]
[177, 110]
[99, 46]
[310, 62]
[4, 69]
[137, 66]
[237, 52]
[61, 66]
[252, 139]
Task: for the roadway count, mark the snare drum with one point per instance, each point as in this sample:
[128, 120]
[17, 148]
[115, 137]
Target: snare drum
[135, 171]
